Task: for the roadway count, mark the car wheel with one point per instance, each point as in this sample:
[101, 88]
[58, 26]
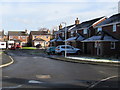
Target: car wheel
[78, 52]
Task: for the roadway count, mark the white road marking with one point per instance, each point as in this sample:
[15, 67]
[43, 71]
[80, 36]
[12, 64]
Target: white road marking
[4, 65]
[13, 86]
[102, 81]
[34, 82]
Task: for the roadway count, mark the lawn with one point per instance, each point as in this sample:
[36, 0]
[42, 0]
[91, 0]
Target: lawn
[28, 48]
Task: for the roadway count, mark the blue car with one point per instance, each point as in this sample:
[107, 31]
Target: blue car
[50, 50]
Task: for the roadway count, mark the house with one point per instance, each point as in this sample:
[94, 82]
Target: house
[82, 31]
[60, 36]
[19, 37]
[106, 42]
[2, 36]
[2, 40]
[40, 37]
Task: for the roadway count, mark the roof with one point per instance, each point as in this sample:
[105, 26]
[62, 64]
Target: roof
[77, 38]
[63, 29]
[56, 39]
[39, 33]
[103, 36]
[113, 19]
[17, 33]
[38, 39]
[86, 24]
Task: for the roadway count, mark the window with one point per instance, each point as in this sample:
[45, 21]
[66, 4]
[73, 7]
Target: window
[99, 29]
[112, 45]
[10, 37]
[114, 28]
[85, 31]
[23, 37]
[63, 34]
[72, 33]
[2, 44]
[46, 36]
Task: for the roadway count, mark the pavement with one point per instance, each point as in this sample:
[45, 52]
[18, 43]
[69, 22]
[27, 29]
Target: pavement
[5, 59]
[88, 60]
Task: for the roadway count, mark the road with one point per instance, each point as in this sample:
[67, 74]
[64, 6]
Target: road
[34, 71]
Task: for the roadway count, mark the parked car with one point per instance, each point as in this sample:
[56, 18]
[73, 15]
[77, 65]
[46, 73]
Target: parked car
[50, 50]
[18, 46]
[69, 49]
[12, 47]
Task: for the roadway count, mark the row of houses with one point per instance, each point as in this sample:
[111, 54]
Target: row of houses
[24, 39]
[100, 36]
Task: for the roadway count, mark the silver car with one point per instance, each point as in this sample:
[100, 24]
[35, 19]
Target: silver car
[69, 49]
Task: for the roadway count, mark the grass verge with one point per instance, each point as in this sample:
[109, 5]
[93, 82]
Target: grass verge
[28, 48]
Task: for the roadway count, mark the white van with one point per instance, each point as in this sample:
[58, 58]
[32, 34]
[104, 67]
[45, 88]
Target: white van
[9, 44]
[2, 45]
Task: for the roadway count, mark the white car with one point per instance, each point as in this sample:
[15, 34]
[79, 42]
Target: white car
[69, 49]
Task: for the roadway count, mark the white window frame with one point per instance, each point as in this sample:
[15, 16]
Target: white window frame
[99, 29]
[63, 34]
[85, 31]
[23, 37]
[72, 32]
[112, 45]
[114, 27]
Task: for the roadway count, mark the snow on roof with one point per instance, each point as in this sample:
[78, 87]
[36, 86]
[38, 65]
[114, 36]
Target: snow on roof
[58, 40]
[99, 38]
[77, 38]
[71, 39]
[53, 40]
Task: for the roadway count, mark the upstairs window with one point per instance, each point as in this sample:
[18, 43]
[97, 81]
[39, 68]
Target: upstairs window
[63, 34]
[114, 28]
[112, 45]
[99, 29]
[72, 32]
[85, 31]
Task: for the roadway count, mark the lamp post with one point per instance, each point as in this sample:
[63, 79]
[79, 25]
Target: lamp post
[65, 38]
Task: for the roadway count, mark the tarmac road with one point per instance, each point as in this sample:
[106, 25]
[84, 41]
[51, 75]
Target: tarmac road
[30, 71]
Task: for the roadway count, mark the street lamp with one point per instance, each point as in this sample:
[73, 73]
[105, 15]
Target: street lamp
[65, 38]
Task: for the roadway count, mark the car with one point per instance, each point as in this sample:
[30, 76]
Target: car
[50, 50]
[18, 46]
[12, 47]
[68, 48]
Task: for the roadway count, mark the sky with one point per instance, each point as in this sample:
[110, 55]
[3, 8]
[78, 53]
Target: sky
[36, 14]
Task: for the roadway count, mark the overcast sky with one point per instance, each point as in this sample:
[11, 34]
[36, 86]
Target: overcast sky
[35, 14]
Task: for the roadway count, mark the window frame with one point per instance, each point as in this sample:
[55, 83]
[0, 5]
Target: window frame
[114, 27]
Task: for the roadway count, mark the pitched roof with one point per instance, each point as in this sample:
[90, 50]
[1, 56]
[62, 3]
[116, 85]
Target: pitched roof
[63, 29]
[39, 33]
[38, 39]
[113, 19]
[86, 24]
[17, 33]
[102, 36]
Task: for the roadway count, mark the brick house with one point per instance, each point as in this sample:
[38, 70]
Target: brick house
[40, 37]
[19, 37]
[60, 35]
[106, 42]
[2, 35]
[82, 31]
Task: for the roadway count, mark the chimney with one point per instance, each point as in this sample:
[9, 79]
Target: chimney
[77, 22]
[26, 31]
[60, 26]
